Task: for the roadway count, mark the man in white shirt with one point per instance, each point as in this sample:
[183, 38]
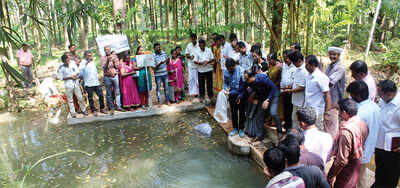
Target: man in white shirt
[287, 80]
[315, 141]
[299, 82]
[226, 51]
[190, 51]
[88, 72]
[387, 152]
[204, 59]
[245, 58]
[359, 71]
[369, 112]
[317, 91]
[69, 72]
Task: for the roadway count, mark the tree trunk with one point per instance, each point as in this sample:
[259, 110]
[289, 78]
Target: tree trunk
[94, 34]
[175, 15]
[119, 12]
[232, 15]
[84, 32]
[151, 14]
[166, 18]
[142, 15]
[66, 36]
[273, 35]
[161, 15]
[7, 24]
[194, 13]
[371, 33]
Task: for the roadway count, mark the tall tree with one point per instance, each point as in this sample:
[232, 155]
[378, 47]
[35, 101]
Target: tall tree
[119, 13]
[277, 20]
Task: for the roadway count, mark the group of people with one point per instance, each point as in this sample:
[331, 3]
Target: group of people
[127, 85]
[304, 102]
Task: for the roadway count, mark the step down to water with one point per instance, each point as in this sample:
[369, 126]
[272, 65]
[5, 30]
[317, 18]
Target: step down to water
[156, 110]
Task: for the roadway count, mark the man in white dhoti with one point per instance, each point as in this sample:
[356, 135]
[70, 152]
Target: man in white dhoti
[193, 83]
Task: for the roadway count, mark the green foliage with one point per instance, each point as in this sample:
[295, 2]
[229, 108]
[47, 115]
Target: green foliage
[392, 55]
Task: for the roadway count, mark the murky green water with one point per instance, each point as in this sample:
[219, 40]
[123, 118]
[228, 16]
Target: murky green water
[162, 151]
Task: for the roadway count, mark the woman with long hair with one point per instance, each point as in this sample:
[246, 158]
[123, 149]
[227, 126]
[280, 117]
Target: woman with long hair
[175, 74]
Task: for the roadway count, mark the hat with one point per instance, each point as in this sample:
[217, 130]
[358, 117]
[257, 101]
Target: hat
[335, 49]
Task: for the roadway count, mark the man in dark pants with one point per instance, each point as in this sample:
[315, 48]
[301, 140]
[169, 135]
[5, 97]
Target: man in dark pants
[88, 72]
[288, 70]
[233, 83]
[204, 59]
[387, 155]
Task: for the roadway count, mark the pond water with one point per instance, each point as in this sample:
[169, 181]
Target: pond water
[160, 151]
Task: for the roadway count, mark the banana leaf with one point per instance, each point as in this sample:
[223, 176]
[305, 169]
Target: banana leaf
[15, 75]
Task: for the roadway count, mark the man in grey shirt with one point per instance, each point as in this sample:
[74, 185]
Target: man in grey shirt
[336, 73]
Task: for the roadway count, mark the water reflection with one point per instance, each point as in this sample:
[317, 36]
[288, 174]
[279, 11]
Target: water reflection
[162, 151]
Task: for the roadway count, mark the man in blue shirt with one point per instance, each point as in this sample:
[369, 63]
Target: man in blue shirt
[233, 83]
[369, 112]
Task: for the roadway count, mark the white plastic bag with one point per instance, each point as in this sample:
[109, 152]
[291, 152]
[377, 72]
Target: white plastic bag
[221, 108]
[204, 128]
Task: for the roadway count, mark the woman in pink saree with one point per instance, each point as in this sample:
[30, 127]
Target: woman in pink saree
[175, 74]
[129, 90]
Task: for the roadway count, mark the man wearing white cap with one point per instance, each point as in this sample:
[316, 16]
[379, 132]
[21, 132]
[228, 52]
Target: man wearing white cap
[336, 73]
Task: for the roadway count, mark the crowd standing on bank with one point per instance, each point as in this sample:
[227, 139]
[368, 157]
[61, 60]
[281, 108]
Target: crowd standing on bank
[315, 123]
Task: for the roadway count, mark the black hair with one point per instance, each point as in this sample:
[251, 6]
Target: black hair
[253, 48]
[387, 86]
[216, 34]
[359, 67]
[156, 44]
[193, 35]
[127, 53]
[349, 106]
[359, 88]
[202, 41]
[172, 50]
[291, 149]
[222, 36]
[273, 56]
[258, 51]
[229, 62]
[274, 159]
[218, 37]
[297, 133]
[178, 47]
[295, 56]
[286, 52]
[137, 50]
[312, 60]
[306, 115]
[297, 46]
[69, 46]
[241, 44]
[64, 57]
[25, 44]
[86, 53]
[232, 37]
[252, 72]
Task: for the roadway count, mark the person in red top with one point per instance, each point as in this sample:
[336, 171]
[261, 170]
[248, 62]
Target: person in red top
[25, 62]
[348, 147]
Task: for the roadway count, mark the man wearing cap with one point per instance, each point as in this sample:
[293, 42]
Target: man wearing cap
[337, 81]
[25, 61]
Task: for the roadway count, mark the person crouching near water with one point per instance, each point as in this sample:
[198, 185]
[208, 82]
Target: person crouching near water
[263, 95]
[69, 72]
[233, 84]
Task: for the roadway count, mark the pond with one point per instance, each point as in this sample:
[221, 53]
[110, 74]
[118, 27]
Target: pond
[159, 151]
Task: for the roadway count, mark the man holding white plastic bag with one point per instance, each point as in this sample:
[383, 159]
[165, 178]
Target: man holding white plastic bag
[233, 85]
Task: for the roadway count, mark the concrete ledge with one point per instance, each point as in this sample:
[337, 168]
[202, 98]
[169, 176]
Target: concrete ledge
[160, 110]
